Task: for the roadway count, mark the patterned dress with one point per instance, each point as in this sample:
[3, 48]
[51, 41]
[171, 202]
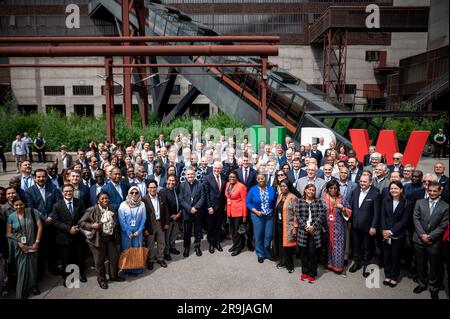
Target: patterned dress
[336, 231]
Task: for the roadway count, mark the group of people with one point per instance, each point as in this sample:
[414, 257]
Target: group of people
[315, 202]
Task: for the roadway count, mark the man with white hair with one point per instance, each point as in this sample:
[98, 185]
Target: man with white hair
[381, 179]
[397, 166]
[214, 188]
[439, 170]
[375, 159]
[311, 178]
[266, 156]
[372, 149]
[270, 171]
[230, 164]
[407, 172]
[289, 157]
[287, 140]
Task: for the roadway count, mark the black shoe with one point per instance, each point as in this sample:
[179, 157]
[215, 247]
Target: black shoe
[419, 289]
[280, 265]
[211, 249]
[434, 294]
[174, 251]
[260, 260]
[271, 258]
[250, 247]
[365, 272]
[291, 270]
[219, 248]
[150, 265]
[118, 279]
[83, 278]
[235, 252]
[103, 284]
[198, 251]
[231, 249]
[186, 252]
[162, 263]
[355, 267]
[35, 291]
[167, 257]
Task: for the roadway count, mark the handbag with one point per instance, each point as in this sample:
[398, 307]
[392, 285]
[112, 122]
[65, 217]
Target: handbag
[88, 233]
[133, 257]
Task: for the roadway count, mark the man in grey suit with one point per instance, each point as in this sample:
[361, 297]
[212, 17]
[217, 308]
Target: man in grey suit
[311, 178]
[430, 220]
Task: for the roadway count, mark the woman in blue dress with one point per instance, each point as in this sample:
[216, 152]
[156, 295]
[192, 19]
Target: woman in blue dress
[132, 216]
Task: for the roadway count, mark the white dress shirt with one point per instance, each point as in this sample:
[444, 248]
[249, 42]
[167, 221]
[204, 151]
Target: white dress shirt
[155, 203]
[362, 196]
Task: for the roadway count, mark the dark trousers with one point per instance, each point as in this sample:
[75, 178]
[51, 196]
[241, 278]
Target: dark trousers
[3, 159]
[30, 153]
[213, 226]
[196, 221]
[391, 255]
[107, 251]
[430, 254]
[309, 258]
[446, 256]
[73, 254]
[48, 252]
[250, 232]
[285, 254]
[41, 155]
[238, 240]
[362, 247]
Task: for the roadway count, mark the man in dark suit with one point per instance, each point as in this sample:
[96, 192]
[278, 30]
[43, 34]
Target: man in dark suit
[158, 175]
[354, 171]
[86, 178]
[192, 199]
[327, 171]
[430, 221]
[93, 165]
[65, 215]
[52, 175]
[365, 204]
[296, 173]
[172, 157]
[203, 169]
[317, 154]
[397, 166]
[81, 154]
[247, 176]
[214, 187]
[42, 196]
[81, 191]
[439, 170]
[372, 150]
[96, 188]
[116, 189]
[156, 224]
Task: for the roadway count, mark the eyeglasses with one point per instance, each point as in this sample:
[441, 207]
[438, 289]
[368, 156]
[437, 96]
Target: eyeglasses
[133, 193]
[396, 159]
[280, 175]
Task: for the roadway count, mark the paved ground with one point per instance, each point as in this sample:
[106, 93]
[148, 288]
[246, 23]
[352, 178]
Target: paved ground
[219, 275]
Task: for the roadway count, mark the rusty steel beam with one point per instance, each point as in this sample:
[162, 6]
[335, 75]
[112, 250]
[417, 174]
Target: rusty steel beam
[159, 65]
[179, 50]
[126, 60]
[162, 39]
[109, 95]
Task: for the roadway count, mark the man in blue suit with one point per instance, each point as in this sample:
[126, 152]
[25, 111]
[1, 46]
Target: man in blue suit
[116, 189]
[41, 196]
[353, 170]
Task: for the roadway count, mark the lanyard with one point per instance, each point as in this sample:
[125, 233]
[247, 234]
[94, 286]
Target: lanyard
[23, 229]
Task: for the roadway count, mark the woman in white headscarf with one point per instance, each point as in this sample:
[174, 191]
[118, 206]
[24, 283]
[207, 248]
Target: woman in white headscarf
[132, 216]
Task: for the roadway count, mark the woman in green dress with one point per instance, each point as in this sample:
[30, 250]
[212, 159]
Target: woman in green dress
[24, 231]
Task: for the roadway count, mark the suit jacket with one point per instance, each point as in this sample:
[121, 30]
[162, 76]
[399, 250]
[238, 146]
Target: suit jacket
[179, 168]
[291, 175]
[214, 197]
[368, 215]
[395, 221]
[319, 183]
[281, 160]
[34, 198]
[162, 181]
[443, 180]
[317, 155]
[433, 225]
[251, 178]
[59, 161]
[189, 199]
[391, 168]
[93, 195]
[150, 222]
[366, 159]
[351, 186]
[83, 163]
[235, 204]
[63, 221]
[84, 195]
[114, 197]
[271, 182]
[358, 175]
[94, 215]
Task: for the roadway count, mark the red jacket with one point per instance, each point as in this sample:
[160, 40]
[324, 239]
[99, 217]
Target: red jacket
[446, 237]
[235, 205]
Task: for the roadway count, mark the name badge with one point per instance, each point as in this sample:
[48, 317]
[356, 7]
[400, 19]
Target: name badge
[133, 223]
[331, 218]
[23, 239]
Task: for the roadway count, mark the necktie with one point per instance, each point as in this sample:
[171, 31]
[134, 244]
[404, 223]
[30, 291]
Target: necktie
[69, 206]
[218, 181]
[176, 199]
[26, 183]
[245, 175]
[296, 175]
[432, 206]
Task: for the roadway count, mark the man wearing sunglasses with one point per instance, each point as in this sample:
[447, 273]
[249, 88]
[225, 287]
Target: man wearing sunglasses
[397, 166]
